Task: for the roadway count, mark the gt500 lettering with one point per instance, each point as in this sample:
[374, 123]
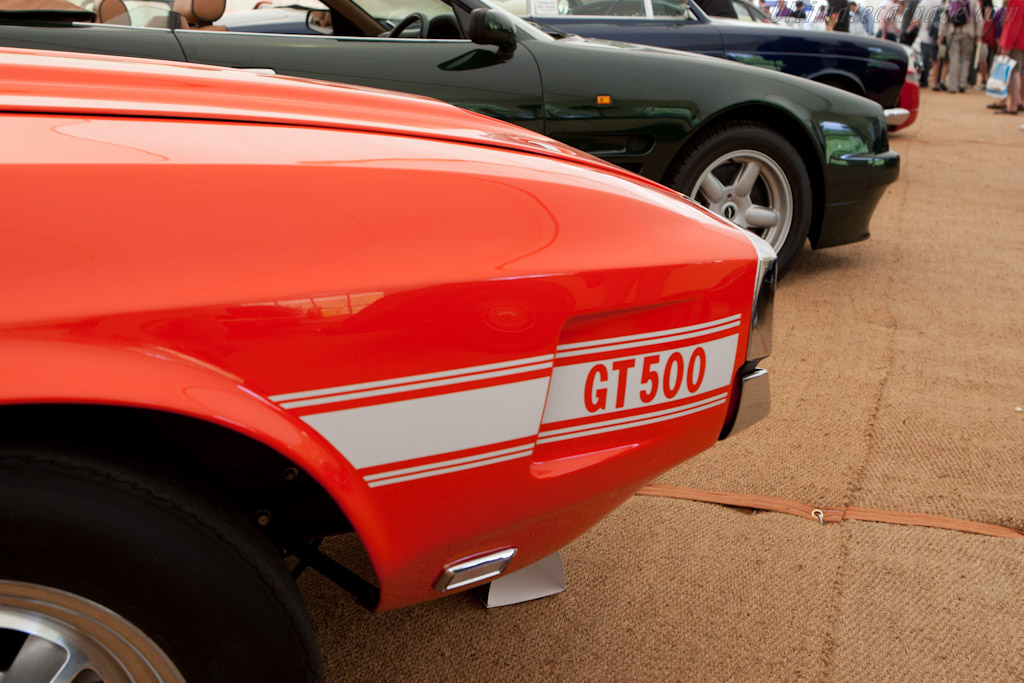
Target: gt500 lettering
[661, 375]
[639, 378]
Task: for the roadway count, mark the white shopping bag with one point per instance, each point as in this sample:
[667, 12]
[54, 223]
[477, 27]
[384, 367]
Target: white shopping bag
[999, 81]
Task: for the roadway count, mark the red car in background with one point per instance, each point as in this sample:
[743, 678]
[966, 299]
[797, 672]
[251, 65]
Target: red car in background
[244, 312]
[910, 97]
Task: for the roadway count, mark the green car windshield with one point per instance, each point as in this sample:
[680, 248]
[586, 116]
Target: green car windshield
[156, 13]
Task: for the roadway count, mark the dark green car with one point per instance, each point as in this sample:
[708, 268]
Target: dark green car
[783, 156]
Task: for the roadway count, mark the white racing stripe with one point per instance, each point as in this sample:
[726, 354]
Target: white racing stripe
[593, 429]
[397, 431]
[454, 374]
[448, 470]
[404, 386]
[447, 463]
[689, 330]
[650, 342]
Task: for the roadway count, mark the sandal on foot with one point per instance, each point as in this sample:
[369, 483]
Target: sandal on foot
[995, 105]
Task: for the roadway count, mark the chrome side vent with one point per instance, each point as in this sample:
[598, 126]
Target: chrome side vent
[474, 570]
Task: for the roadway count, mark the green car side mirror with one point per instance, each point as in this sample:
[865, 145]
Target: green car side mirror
[493, 27]
[319, 21]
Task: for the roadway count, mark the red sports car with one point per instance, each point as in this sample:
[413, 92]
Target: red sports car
[244, 312]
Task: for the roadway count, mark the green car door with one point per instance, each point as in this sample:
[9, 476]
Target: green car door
[106, 39]
[454, 70]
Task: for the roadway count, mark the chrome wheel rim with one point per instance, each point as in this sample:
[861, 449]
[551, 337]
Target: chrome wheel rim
[52, 636]
[748, 188]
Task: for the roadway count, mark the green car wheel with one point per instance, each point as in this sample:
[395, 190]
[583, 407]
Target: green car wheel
[748, 174]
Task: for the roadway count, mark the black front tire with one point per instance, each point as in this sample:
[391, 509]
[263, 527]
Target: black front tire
[749, 174]
[143, 554]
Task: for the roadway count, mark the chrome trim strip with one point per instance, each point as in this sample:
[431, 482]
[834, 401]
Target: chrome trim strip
[896, 116]
[759, 343]
[473, 570]
[755, 401]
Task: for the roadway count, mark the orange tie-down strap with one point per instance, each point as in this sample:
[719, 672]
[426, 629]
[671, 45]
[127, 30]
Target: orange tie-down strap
[828, 514]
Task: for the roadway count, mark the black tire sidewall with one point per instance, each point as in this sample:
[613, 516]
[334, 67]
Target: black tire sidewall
[186, 571]
[723, 139]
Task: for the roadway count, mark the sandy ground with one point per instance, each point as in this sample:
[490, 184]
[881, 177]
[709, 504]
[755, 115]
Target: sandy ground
[897, 370]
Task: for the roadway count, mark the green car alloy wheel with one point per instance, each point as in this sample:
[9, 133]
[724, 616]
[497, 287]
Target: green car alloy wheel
[747, 174]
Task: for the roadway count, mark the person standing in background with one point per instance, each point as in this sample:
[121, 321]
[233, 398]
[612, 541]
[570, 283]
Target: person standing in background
[718, 8]
[888, 28]
[861, 20]
[929, 16]
[795, 15]
[910, 22]
[839, 15]
[855, 15]
[1011, 42]
[817, 17]
[959, 31]
[983, 54]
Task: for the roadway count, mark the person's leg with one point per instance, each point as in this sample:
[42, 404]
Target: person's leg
[983, 65]
[937, 64]
[967, 61]
[926, 63]
[1015, 82]
[1018, 56]
[953, 55]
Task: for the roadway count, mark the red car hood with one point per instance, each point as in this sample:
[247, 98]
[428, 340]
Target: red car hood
[71, 83]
